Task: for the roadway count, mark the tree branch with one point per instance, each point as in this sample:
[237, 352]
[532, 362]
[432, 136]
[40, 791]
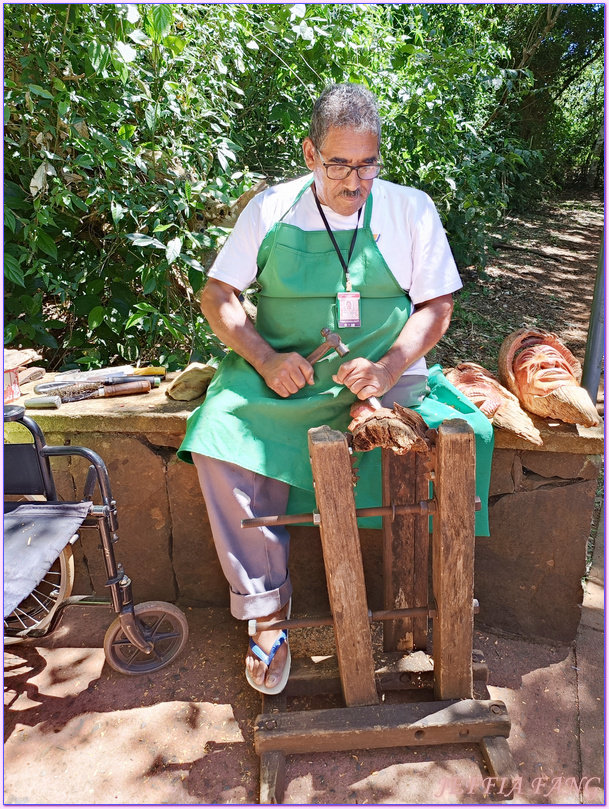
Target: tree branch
[578, 73]
[531, 48]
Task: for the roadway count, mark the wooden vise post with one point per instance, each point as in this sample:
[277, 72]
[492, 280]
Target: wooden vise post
[343, 562]
[453, 559]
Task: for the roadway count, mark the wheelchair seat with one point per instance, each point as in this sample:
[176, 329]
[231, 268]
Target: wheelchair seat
[34, 536]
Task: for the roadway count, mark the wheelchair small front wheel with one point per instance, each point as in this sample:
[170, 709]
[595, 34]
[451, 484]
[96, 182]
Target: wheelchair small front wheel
[164, 625]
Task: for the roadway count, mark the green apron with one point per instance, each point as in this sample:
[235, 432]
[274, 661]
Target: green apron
[244, 422]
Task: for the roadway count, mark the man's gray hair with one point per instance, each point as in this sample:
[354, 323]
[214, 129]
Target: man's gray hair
[344, 106]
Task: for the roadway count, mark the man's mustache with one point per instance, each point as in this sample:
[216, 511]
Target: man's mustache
[347, 193]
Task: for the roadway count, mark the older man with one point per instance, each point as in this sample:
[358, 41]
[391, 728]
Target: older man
[338, 248]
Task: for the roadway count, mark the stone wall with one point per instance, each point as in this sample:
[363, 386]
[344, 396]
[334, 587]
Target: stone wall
[528, 573]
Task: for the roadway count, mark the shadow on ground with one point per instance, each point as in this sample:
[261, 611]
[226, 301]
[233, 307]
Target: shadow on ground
[78, 732]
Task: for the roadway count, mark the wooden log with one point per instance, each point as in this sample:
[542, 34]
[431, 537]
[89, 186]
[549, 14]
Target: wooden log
[398, 479]
[342, 554]
[453, 559]
[272, 764]
[375, 726]
[405, 549]
[422, 542]
[393, 672]
[400, 430]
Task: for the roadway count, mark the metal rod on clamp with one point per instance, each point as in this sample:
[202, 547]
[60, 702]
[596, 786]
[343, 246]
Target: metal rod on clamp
[278, 519]
[424, 507]
[305, 623]
[254, 626]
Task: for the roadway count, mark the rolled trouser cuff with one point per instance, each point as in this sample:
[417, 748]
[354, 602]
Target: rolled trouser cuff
[259, 605]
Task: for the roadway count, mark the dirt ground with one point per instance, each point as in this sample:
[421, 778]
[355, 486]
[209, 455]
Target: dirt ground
[542, 276]
[78, 733]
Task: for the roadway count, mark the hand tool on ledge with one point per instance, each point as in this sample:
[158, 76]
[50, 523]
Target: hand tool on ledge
[78, 391]
[43, 403]
[151, 370]
[122, 389]
[333, 341]
[31, 374]
[101, 373]
[50, 388]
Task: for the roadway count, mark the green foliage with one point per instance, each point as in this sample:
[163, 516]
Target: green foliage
[114, 157]
[130, 130]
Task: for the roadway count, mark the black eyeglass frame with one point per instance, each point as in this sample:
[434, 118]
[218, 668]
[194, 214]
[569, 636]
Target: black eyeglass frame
[378, 166]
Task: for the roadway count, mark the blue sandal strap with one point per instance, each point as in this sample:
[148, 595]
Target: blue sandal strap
[261, 655]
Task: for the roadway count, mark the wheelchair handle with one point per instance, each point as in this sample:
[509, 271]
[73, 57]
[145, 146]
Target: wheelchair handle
[13, 412]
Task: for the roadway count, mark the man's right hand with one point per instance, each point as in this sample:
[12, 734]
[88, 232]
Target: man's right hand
[286, 373]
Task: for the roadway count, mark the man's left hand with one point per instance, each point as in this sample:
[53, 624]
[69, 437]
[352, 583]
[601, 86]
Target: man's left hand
[364, 378]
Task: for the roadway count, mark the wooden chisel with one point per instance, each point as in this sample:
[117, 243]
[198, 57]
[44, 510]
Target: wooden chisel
[124, 389]
[50, 388]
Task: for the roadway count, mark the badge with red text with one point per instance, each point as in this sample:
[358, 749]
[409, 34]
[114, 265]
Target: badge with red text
[348, 310]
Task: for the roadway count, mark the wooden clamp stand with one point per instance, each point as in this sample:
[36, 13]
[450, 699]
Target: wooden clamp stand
[454, 716]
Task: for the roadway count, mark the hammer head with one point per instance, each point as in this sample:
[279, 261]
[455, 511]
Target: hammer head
[334, 340]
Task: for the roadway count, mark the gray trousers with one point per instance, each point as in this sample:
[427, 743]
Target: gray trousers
[255, 560]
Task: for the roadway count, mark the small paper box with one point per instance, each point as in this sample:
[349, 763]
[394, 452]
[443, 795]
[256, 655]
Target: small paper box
[13, 361]
[11, 386]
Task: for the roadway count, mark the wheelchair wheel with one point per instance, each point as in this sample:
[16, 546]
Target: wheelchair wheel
[37, 610]
[163, 624]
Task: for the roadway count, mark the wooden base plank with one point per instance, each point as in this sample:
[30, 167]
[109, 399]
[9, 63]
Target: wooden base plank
[499, 761]
[272, 764]
[373, 726]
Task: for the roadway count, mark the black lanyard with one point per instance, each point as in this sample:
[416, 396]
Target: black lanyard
[345, 265]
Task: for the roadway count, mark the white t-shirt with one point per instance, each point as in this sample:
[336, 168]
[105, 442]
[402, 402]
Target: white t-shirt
[405, 224]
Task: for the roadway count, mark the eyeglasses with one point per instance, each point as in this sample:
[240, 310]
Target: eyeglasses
[340, 171]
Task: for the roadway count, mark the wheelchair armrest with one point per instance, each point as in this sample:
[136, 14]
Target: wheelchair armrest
[93, 458]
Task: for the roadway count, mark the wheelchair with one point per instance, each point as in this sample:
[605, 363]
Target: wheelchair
[39, 531]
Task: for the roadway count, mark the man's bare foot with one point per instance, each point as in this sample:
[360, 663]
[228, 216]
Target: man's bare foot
[259, 672]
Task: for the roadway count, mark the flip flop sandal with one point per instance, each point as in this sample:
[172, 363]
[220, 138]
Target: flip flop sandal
[268, 659]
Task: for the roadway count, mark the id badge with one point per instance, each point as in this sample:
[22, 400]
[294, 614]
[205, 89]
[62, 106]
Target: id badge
[348, 310]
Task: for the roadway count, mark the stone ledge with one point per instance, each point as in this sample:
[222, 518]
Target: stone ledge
[557, 437]
[154, 412]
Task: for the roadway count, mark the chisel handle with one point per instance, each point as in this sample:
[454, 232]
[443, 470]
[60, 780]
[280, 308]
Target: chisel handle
[43, 403]
[151, 370]
[126, 388]
[155, 381]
